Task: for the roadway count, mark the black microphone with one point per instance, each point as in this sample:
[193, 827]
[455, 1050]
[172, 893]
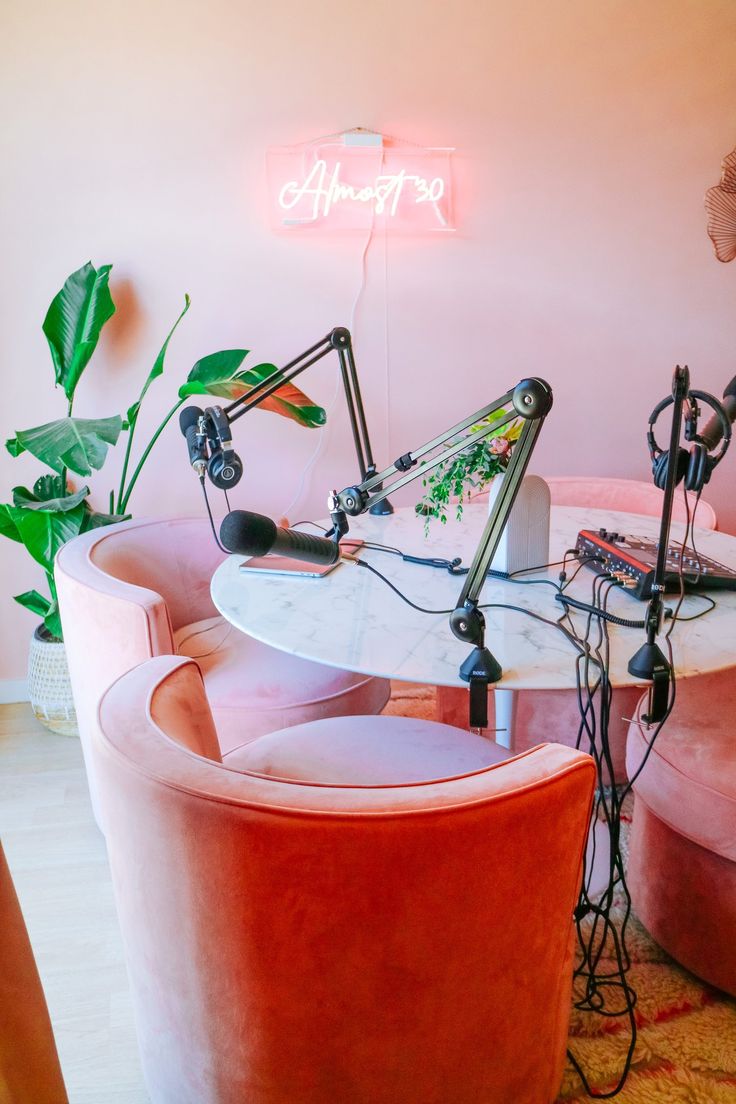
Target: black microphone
[188, 422]
[713, 429]
[256, 535]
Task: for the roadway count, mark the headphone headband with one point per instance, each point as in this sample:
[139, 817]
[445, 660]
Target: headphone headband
[696, 466]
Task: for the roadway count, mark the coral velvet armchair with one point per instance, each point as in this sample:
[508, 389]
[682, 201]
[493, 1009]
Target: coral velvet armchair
[142, 588]
[351, 911]
[29, 1064]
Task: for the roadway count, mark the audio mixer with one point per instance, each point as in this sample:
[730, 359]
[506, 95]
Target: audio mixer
[632, 560]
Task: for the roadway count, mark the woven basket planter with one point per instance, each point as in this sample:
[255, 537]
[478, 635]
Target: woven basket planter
[49, 687]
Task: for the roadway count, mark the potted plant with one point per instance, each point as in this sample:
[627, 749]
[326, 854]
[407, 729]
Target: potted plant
[55, 510]
[468, 473]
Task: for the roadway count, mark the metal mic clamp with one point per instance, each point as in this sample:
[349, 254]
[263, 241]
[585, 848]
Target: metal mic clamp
[481, 668]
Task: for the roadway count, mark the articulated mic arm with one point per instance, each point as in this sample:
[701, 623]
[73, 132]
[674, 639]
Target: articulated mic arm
[531, 400]
[213, 424]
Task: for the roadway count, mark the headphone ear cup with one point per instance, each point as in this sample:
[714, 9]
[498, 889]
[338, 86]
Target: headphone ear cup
[224, 472]
[698, 468]
[660, 466]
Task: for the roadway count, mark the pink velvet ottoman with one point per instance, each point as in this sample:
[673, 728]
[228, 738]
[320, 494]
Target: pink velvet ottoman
[682, 865]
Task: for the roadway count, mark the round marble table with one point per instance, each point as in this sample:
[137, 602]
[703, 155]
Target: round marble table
[351, 619]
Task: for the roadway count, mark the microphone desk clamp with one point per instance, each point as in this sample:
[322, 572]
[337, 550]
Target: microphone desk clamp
[530, 400]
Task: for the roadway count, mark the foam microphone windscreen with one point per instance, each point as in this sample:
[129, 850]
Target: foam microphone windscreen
[189, 416]
[247, 534]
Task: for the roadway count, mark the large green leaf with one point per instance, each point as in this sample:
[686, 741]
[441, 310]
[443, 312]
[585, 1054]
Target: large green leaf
[8, 526]
[218, 375]
[23, 497]
[74, 321]
[43, 534]
[76, 443]
[94, 520]
[34, 602]
[210, 374]
[52, 621]
[157, 370]
[49, 486]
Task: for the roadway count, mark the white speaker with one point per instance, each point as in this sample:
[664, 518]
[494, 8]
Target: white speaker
[525, 540]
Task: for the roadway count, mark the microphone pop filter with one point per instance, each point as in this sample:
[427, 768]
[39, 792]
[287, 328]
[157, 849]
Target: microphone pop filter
[247, 534]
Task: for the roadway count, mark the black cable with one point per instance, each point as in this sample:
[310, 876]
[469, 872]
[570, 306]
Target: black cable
[209, 515]
[625, 622]
[487, 605]
[701, 613]
[603, 931]
[395, 589]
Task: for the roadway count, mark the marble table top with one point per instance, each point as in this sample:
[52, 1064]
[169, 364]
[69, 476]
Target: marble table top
[351, 619]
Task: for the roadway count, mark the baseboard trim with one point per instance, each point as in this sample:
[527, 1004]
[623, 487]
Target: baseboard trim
[13, 690]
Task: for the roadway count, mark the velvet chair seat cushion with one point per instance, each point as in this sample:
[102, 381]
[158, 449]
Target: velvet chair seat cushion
[689, 780]
[368, 751]
[251, 695]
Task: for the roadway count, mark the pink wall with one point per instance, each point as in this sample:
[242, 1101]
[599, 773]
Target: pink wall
[587, 134]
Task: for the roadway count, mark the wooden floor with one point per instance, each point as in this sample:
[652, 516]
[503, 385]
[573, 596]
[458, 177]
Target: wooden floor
[57, 858]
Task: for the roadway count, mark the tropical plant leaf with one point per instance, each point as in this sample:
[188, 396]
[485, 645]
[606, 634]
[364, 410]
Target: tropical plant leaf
[94, 520]
[52, 621]
[49, 486]
[76, 443]
[211, 374]
[43, 534]
[74, 321]
[23, 497]
[288, 401]
[34, 602]
[218, 375]
[8, 526]
[156, 371]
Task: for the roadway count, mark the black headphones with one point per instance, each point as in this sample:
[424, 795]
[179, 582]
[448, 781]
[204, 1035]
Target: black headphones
[696, 465]
[224, 466]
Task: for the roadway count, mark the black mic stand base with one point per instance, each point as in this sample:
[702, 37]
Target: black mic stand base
[382, 508]
[651, 665]
[480, 669]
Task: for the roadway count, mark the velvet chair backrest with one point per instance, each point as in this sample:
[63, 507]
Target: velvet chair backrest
[173, 558]
[631, 496]
[628, 495]
[29, 1065]
[123, 591]
[322, 943]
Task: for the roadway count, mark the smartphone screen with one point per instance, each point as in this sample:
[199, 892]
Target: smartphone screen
[283, 565]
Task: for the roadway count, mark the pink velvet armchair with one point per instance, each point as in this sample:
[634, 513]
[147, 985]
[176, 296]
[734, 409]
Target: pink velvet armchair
[365, 910]
[141, 589]
[682, 861]
[557, 710]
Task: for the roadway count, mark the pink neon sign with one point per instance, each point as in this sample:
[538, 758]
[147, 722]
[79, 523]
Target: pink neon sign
[360, 181]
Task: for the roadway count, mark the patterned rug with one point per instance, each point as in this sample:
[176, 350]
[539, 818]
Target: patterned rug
[686, 1043]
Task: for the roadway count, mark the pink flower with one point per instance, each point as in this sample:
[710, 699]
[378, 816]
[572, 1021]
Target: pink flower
[500, 446]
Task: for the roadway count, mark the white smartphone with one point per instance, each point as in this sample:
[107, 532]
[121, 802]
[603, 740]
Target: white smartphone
[283, 565]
